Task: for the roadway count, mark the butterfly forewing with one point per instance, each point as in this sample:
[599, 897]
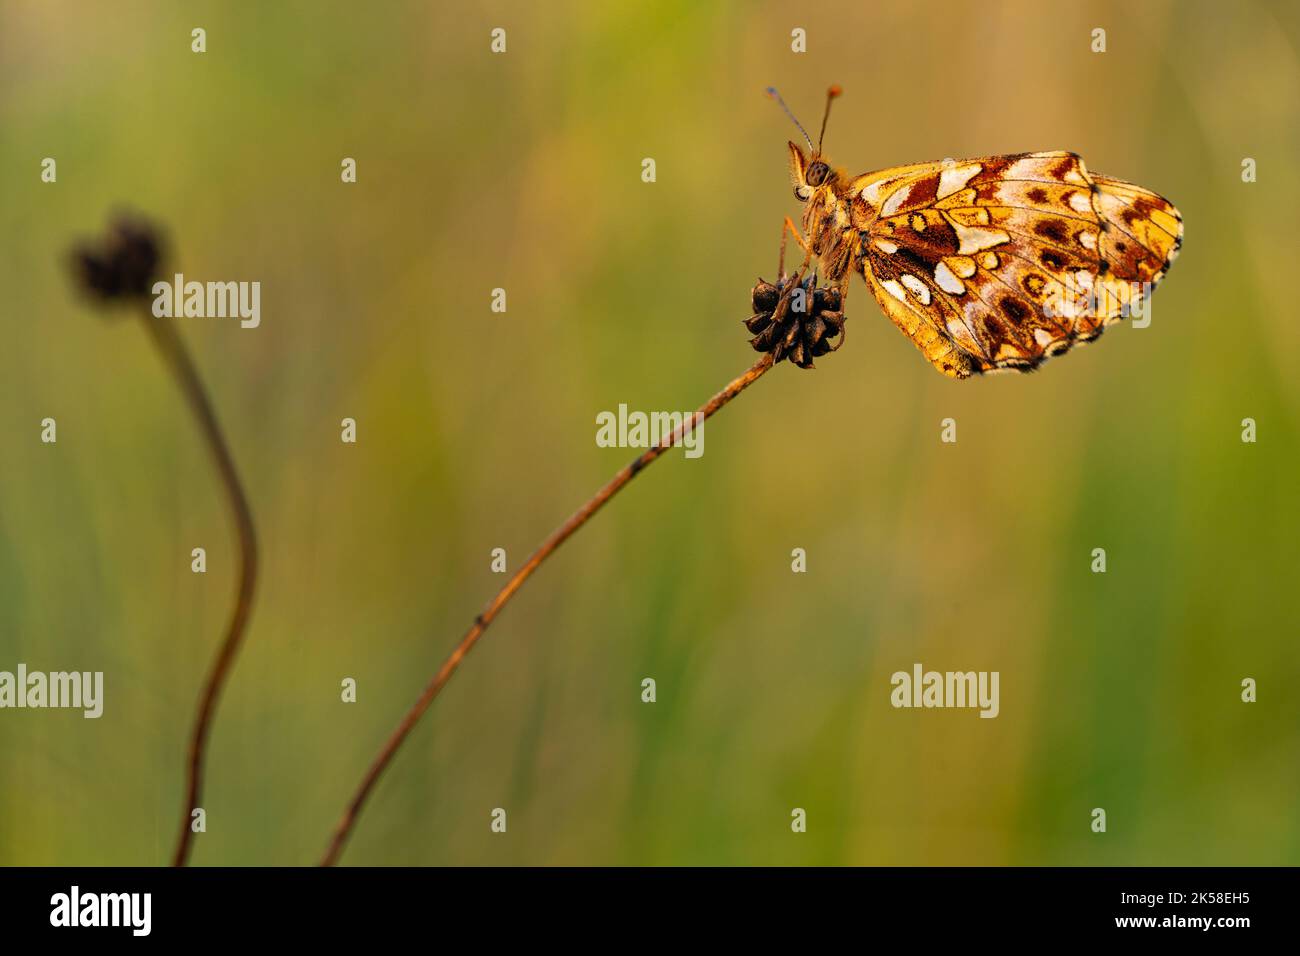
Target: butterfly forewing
[997, 263]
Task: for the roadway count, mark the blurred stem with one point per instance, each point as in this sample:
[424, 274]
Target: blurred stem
[343, 828]
[177, 358]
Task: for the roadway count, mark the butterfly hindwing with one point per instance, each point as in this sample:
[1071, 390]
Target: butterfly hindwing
[998, 263]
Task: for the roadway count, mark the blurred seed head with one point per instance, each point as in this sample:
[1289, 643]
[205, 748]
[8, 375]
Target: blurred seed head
[123, 263]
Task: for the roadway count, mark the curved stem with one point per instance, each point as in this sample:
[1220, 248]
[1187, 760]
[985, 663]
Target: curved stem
[343, 828]
[178, 359]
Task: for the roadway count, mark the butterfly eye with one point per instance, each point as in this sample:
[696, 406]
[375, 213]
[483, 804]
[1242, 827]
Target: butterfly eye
[817, 173]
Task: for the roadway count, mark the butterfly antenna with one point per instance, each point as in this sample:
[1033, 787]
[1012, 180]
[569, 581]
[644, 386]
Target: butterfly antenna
[833, 92]
[771, 91]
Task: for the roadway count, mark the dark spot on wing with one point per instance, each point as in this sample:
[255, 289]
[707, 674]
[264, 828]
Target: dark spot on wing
[1052, 229]
[1062, 168]
[1014, 310]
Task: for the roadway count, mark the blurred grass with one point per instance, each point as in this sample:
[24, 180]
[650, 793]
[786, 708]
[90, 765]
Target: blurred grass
[476, 431]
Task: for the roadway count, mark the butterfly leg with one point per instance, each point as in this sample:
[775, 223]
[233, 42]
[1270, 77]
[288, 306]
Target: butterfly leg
[838, 281]
[842, 287]
[787, 230]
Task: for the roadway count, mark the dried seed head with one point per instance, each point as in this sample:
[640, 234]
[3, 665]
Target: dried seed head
[765, 296]
[121, 265]
[798, 336]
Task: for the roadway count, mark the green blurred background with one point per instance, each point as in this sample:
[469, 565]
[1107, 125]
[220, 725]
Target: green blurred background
[476, 431]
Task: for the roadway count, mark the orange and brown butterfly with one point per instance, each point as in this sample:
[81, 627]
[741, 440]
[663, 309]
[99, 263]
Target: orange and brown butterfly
[985, 264]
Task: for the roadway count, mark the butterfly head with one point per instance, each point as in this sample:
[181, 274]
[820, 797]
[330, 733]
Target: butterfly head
[808, 171]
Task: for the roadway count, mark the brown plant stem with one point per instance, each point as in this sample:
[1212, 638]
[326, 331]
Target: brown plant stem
[177, 358]
[343, 828]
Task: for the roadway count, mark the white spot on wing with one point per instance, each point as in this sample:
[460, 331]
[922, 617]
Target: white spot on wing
[895, 201]
[887, 247]
[975, 238]
[916, 287]
[894, 289]
[954, 178]
[871, 192]
[1079, 202]
[947, 281]
[1030, 167]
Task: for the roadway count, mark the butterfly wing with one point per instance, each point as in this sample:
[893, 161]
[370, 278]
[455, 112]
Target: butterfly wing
[1142, 232]
[998, 263]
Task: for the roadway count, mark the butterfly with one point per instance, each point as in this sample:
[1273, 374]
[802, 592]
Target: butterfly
[989, 264]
